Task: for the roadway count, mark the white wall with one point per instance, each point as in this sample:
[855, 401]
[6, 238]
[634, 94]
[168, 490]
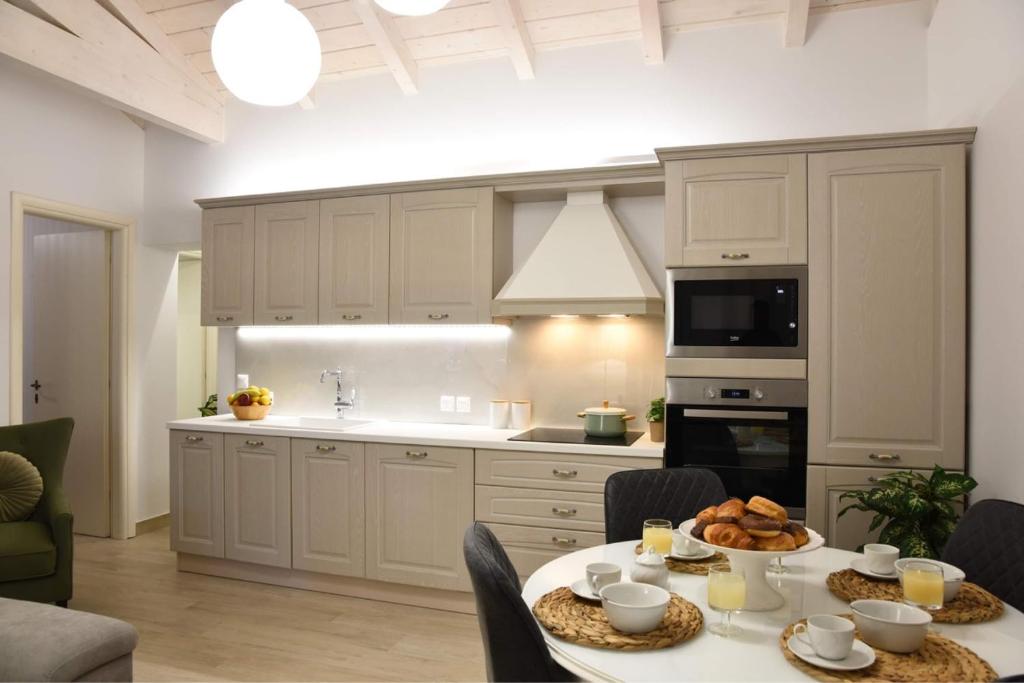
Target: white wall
[976, 77]
[58, 145]
[860, 72]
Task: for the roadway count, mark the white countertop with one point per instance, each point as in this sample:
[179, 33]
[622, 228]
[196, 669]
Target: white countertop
[414, 433]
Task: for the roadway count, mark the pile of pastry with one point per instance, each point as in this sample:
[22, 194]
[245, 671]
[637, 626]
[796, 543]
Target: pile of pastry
[758, 524]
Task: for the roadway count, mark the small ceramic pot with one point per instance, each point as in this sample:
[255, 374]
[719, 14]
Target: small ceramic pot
[650, 568]
[657, 431]
[605, 422]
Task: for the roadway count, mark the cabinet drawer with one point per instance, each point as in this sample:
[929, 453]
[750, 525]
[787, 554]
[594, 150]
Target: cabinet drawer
[531, 547]
[534, 507]
[557, 471]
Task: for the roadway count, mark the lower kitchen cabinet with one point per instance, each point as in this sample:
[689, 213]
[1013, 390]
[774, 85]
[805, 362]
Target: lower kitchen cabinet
[534, 507]
[419, 503]
[529, 548]
[197, 493]
[257, 499]
[327, 506]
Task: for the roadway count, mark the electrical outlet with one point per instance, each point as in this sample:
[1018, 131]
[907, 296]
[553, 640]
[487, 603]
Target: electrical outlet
[462, 404]
[447, 404]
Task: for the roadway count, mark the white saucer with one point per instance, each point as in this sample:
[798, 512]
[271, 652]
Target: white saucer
[699, 555]
[860, 565]
[581, 589]
[860, 656]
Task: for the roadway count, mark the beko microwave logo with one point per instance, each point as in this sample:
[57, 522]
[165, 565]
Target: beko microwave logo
[734, 337]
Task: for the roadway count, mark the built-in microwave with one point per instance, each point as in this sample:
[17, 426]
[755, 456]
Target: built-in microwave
[737, 312]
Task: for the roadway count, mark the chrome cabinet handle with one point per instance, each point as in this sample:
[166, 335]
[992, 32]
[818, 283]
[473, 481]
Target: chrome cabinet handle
[567, 474]
[884, 457]
[438, 316]
[563, 541]
[565, 512]
[326, 449]
[193, 439]
[872, 480]
[349, 316]
[734, 256]
[225, 318]
[282, 318]
[416, 454]
[254, 444]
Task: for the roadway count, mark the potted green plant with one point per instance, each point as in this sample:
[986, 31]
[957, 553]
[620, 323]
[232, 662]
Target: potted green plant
[656, 420]
[917, 511]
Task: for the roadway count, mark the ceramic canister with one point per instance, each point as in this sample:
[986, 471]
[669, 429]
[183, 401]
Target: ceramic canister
[521, 414]
[499, 414]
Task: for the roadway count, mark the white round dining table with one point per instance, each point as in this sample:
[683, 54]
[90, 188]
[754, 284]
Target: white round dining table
[755, 654]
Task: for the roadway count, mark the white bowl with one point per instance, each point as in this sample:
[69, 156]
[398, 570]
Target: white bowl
[634, 607]
[952, 576]
[890, 626]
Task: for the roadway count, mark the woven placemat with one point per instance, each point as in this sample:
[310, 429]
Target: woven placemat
[973, 604]
[585, 623]
[939, 659]
[689, 566]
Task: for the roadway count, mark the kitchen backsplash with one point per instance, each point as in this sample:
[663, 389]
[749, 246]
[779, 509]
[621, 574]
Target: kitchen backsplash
[562, 365]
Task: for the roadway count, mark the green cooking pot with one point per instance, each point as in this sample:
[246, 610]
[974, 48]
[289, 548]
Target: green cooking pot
[605, 422]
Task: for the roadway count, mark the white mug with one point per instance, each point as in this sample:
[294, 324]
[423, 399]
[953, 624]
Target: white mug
[601, 574]
[830, 637]
[683, 544]
[881, 558]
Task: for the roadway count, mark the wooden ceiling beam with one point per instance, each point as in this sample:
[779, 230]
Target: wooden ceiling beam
[517, 38]
[797, 12]
[650, 32]
[386, 36]
[111, 62]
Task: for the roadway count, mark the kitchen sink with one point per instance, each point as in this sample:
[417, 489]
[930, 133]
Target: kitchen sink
[313, 423]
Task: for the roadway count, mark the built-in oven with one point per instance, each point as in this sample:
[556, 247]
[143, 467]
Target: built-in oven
[738, 312]
[752, 433]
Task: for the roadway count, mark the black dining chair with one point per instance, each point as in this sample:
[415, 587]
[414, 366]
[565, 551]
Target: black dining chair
[675, 494]
[987, 545]
[513, 644]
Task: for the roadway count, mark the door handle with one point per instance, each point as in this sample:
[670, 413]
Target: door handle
[884, 457]
[564, 512]
[349, 316]
[565, 474]
[225, 318]
[438, 316]
[37, 386]
[416, 455]
[326, 449]
[193, 439]
[733, 256]
[254, 444]
[563, 541]
[282, 318]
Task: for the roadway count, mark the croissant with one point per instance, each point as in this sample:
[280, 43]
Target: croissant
[767, 508]
[782, 542]
[728, 536]
[733, 507]
[708, 514]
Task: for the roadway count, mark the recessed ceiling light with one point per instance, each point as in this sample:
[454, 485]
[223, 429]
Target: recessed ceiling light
[266, 52]
[412, 8]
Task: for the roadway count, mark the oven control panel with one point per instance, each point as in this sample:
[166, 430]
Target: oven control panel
[705, 391]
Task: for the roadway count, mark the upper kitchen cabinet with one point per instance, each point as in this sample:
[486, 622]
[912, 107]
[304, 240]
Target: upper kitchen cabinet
[227, 277]
[354, 237]
[286, 246]
[887, 308]
[744, 210]
[443, 257]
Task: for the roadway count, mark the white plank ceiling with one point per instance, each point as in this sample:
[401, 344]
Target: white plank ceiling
[357, 41]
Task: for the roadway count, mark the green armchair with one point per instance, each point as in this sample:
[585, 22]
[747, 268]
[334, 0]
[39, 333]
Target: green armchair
[36, 554]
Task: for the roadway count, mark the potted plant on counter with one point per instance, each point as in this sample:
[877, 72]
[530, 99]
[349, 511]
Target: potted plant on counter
[917, 511]
[656, 420]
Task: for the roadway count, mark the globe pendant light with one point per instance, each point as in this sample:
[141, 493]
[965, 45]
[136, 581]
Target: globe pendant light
[266, 52]
[412, 8]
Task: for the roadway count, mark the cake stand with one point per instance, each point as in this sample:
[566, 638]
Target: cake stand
[761, 597]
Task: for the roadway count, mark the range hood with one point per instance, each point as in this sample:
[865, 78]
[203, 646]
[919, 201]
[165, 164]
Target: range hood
[584, 265]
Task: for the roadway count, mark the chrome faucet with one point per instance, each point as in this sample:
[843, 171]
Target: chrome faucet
[340, 404]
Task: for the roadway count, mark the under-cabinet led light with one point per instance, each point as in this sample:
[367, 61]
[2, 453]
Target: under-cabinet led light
[376, 332]
[565, 316]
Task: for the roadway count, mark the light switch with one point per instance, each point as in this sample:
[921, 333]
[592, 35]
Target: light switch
[447, 404]
[462, 404]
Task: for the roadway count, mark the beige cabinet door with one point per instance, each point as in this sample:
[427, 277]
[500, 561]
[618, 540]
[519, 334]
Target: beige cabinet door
[419, 501]
[197, 493]
[736, 211]
[354, 236]
[257, 499]
[327, 506]
[227, 267]
[825, 485]
[287, 242]
[887, 310]
[530, 548]
[441, 256]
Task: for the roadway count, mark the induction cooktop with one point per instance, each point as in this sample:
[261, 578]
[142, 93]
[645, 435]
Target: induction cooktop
[553, 435]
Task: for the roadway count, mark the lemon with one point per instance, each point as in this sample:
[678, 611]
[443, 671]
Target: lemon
[264, 400]
[231, 399]
[264, 391]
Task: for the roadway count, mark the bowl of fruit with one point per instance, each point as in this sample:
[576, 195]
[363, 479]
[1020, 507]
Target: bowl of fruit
[252, 403]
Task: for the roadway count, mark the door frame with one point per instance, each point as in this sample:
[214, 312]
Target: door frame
[122, 236]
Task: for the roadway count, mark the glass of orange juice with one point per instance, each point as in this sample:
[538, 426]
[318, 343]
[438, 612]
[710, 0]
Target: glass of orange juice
[727, 592]
[922, 584]
[658, 535]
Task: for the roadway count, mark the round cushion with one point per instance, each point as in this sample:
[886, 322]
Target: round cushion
[21, 486]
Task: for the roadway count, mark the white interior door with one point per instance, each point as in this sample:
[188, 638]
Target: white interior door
[67, 336]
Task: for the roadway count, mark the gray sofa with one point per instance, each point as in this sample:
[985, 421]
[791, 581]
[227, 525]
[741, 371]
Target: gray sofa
[47, 643]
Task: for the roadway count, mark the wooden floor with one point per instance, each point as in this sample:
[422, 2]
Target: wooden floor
[194, 627]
